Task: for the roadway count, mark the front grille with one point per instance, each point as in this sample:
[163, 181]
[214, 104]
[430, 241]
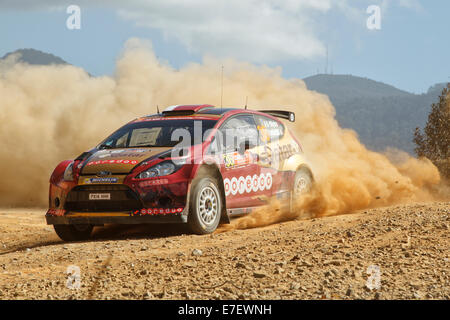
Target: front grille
[122, 199]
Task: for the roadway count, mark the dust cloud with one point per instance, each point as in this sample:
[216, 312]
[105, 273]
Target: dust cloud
[52, 113]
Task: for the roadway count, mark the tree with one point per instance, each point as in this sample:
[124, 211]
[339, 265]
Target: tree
[434, 142]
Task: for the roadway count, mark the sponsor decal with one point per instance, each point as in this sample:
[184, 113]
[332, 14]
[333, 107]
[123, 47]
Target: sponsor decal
[133, 162]
[247, 184]
[270, 124]
[278, 153]
[229, 161]
[263, 134]
[156, 182]
[138, 150]
[100, 180]
[236, 159]
[157, 211]
[269, 130]
[122, 154]
[286, 150]
[56, 212]
[196, 117]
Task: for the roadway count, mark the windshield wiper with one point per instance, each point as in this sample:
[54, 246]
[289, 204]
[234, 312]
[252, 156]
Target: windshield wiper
[148, 146]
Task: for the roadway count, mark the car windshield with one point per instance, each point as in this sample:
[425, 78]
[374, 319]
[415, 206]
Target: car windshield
[157, 133]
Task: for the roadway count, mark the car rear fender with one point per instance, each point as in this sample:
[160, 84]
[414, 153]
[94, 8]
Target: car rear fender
[293, 163]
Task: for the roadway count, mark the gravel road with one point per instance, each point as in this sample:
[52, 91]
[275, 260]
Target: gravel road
[399, 252]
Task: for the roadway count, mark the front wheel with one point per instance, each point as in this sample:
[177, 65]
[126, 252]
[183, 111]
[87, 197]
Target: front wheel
[205, 206]
[73, 232]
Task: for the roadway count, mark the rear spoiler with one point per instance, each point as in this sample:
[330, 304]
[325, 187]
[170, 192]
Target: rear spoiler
[280, 114]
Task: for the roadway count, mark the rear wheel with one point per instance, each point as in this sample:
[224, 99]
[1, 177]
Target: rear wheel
[303, 183]
[205, 206]
[73, 232]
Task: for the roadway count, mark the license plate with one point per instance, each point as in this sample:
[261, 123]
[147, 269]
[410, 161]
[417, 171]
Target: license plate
[99, 196]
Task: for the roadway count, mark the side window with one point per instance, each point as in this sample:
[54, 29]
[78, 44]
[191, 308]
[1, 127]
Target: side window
[122, 141]
[269, 130]
[237, 130]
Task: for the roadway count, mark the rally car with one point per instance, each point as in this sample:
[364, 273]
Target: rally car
[195, 164]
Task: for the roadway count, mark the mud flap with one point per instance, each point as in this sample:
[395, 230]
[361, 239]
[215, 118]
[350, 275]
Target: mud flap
[224, 218]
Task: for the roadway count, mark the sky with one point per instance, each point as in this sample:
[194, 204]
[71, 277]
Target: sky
[410, 50]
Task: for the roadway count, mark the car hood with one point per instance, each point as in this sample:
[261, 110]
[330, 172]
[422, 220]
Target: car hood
[118, 161]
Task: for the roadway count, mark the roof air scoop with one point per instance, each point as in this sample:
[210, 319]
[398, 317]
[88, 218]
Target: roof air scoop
[185, 110]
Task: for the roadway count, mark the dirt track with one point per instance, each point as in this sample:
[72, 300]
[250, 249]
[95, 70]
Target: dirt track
[309, 259]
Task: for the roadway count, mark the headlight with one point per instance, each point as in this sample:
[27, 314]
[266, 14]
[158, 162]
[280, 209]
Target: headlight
[68, 173]
[161, 169]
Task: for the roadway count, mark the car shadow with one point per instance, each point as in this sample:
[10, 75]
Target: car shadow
[140, 231]
[30, 244]
[105, 233]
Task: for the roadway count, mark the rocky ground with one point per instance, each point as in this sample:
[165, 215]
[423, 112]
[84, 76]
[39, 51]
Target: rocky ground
[324, 258]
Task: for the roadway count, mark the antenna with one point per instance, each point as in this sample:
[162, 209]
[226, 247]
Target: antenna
[221, 91]
[157, 109]
[246, 101]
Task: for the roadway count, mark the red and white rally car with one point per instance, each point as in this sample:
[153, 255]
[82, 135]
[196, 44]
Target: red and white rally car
[193, 164]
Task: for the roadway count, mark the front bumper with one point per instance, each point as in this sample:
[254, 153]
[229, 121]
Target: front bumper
[101, 218]
[127, 203]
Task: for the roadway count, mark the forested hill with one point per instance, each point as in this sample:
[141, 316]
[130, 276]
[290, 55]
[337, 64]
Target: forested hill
[382, 115]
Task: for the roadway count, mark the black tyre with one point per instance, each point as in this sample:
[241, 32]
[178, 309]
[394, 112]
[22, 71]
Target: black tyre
[205, 206]
[73, 232]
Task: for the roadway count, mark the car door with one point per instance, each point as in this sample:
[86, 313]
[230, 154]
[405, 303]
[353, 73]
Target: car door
[271, 152]
[241, 172]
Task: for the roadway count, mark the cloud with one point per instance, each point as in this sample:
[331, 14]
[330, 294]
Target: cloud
[258, 31]
[411, 4]
[404, 4]
[32, 5]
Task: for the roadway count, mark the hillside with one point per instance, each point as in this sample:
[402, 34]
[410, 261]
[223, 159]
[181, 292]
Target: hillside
[32, 56]
[350, 87]
[383, 115]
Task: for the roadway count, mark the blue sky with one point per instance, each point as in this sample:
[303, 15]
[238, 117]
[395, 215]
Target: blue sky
[410, 51]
